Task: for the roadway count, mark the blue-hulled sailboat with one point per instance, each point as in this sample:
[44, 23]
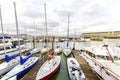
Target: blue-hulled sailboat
[25, 64]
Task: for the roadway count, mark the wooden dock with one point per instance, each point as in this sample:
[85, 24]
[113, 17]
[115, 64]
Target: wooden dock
[31, 75]
[89, 73]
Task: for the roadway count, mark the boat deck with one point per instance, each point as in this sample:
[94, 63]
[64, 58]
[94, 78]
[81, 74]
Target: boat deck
[31, 75]
[23, 53]
[89, 73]
[2, 60]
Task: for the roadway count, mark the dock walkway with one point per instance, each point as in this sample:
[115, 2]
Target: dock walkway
[31, 75]
[89, 73]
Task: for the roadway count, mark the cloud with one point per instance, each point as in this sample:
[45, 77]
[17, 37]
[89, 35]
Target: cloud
[86, 16]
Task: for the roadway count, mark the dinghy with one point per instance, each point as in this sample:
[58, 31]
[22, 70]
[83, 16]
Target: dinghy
[49, 68]
[74, 69]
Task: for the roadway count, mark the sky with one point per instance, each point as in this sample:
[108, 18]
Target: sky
[85, 16]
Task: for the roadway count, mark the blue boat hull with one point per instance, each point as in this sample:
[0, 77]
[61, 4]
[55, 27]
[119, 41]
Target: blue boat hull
[22, 73]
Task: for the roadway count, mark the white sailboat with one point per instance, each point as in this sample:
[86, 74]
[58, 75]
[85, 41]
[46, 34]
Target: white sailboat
[67, 49]
[25, 63]
[45, 48]
[74, 69]
[58, 50]
[10, 62]
[49, 68]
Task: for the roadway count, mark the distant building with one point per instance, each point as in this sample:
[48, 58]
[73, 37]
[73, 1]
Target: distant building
[101, 35]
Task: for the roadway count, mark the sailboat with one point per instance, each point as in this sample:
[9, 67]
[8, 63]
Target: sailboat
[45, 48]
[26, 63]
[49, 68]
[67, 50]
[11, 61]
[58, 49]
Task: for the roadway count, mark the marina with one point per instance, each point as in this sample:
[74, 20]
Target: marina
[71, 40]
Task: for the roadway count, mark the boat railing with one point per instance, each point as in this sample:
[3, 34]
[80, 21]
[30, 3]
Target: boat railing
[103, 67]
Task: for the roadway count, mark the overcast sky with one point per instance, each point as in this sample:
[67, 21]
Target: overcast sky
[86, 16]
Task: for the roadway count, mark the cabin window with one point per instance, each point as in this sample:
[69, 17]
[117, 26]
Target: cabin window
[116, 58]
[1, 49]
[101, 57]
[7, 47]
[95, 64]
[15, 43]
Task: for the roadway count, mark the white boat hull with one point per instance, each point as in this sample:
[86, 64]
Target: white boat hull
[58, 50]
[67, 51]
[49, 68]
[36, 50]
[105, 73]
[44, 50]
[7, 66]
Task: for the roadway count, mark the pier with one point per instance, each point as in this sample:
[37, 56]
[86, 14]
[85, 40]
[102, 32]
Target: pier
[89, 73]
[31, 75]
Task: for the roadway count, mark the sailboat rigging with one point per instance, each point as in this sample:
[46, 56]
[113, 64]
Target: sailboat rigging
[26, 63]
[45, 48]
[67, 50]
[10, 61]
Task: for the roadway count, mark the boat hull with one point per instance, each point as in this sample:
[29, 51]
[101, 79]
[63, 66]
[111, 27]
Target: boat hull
[43, 51]
[99, 68]
[51, 74]
[57, 51]
[22, 73]
[8, 68]
[20, 70]
[67, 52]
[49, 68]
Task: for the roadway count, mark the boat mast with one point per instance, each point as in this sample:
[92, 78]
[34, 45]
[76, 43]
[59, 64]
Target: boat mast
[108, 52]
[46, 38]
[2, 29]
[17, 27]
[68, 29]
